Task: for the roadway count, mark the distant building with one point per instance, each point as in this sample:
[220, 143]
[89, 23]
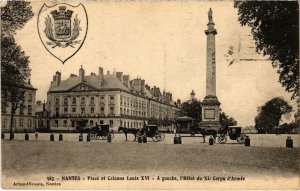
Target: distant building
[24, 119]
[42, 120]
[111, 99]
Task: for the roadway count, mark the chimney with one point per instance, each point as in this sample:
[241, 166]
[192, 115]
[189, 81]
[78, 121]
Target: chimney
[120, 76]
[126, 79]
[130, 84]
[73, 75]
[93, 74]
[147, 87]
[178, 102]
[142, 86]
[57, 78]
[100, 76]
[107, 72]
[114, 72]
[81, 74]
[44, 106]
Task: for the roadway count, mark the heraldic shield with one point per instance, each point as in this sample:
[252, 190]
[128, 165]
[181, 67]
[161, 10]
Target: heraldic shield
[62, 29]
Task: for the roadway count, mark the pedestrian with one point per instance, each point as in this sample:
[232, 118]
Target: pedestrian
[36, 136]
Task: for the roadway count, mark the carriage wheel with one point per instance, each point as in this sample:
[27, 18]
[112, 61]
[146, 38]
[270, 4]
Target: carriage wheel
[92, 136]
[241, 139]
[155, 139]
[104, 137]
[160, 136]
[222, 139]
[97, 136]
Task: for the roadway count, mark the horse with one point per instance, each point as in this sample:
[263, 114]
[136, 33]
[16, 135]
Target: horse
[129, 130]
[205, 132]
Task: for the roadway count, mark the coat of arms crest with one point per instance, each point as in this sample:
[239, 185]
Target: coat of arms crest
[62, 29]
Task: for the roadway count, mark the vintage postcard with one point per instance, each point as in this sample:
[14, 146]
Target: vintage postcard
[149, 95]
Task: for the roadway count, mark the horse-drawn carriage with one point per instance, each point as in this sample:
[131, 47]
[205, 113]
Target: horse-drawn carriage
[234, 133]
[100, 132]
[153, 132]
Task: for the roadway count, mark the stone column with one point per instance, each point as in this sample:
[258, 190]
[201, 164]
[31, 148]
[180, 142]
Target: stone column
[210, 104]
[210, 57]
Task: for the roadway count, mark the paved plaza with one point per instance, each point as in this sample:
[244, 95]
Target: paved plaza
[257, 140]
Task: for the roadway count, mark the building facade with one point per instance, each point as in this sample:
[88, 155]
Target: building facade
[111, 99]
[24, 118]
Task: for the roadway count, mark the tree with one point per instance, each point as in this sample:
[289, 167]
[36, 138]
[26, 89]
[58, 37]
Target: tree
[192, 109]
[14, 63]
[14, 71]
[226, 120]
[270, 114]
[275, 29]
[14, 16]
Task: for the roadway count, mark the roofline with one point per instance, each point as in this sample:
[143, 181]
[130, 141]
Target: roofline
[21, 87]
[113, 89]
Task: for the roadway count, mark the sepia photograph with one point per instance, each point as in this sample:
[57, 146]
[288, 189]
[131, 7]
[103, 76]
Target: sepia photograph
[150, 95]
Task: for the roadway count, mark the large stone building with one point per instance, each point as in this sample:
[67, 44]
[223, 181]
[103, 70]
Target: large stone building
[24, 118]
[111, 99]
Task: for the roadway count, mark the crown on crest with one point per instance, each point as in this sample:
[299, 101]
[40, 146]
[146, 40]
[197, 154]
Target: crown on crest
[62, 13]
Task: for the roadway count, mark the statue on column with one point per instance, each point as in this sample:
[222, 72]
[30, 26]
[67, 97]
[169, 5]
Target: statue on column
[210, 15]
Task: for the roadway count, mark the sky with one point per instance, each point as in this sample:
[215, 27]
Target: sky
[165, 44]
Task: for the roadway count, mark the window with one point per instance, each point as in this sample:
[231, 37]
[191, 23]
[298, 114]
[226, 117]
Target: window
[65, 123]
[74, 109]
[57, 111]
[30, 97]
[74, 100]
[91, 123]
[29, 123]
[66, 110]
[102, 99]
[21, 122]
[111, 123]
[92, 101]
[4, 121]
[57, 101]
[112, 110]
[102, 111]
[121, 100]
[21, 110]
[82, 101]
[121, 123]
[29, 110]
[112, 100]
[121, 110]
[101, 122]
[92, 110]
[65, 101]
[82, 110]
[3, 108]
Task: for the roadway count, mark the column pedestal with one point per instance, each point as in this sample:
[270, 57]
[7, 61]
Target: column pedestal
[210, 113]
